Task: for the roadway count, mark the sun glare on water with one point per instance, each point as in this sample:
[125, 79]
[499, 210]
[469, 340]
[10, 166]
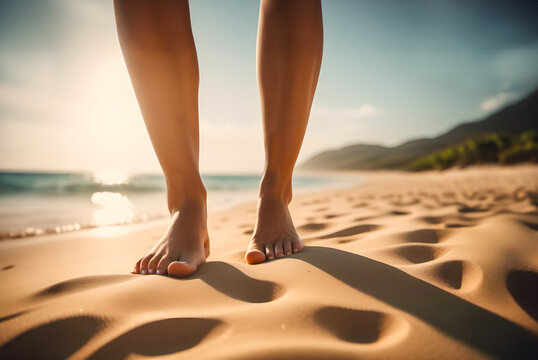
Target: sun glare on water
[115, 208]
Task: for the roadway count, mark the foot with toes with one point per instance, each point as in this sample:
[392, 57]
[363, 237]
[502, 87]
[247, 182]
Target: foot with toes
[183, 247]
[274, 235]
[185, 244]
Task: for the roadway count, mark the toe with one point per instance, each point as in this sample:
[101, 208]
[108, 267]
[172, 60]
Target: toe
[279, 252]
[152, 265]
[144, 264]
[162, 266]
[255, 254]
[296, 246]
[287, 247]
[181, 269]
[269, 251]
[137, 267]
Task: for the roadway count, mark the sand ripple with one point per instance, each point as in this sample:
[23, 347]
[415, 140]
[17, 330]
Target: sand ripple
[427, 266]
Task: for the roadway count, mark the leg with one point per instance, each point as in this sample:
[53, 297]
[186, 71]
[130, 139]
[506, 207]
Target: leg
[157, 43]
[290, 45]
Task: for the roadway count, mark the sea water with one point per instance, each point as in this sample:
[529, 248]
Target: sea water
[34, 203]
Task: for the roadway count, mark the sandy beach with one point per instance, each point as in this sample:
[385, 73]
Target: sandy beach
[404, 266]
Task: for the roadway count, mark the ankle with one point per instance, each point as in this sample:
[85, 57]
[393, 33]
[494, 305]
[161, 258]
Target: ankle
[180, 196]
[276, 186]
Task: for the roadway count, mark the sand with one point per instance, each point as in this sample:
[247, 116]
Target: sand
[404, 266]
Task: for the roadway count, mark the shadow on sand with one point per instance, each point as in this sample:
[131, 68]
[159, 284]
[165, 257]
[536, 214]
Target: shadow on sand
[233, 282]
[457, 318]
[463, 321]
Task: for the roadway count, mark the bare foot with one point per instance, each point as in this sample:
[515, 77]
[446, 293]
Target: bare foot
[274, 234]
[184, 246]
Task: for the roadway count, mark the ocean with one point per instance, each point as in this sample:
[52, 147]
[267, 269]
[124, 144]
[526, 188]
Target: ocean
[34, 204]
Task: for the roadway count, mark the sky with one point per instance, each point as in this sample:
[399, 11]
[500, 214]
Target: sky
[392, 71]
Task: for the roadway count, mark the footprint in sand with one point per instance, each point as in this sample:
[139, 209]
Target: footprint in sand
[312, 226]
[523, 286]
[54, 340]
[456, 225]
[398, 212]
[354, 230]
[457, 274]
[158, 338]
[469, 209]
[430, 236]
[362, 326]
[434, 220]
[414, 253]
[81, 284]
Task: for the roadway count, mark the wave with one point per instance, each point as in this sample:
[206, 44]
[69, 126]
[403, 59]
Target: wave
[42, 183]
[33, 204]
[18, 233]
[12, 183]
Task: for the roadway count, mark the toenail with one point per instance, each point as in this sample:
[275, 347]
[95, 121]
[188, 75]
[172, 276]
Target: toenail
[143, 272]
[150, 271]
[159, 272]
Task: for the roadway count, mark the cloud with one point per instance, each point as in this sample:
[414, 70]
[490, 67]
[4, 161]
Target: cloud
[359, 112]
[497, 101]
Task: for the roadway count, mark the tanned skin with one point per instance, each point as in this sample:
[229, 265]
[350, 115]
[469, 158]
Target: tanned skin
[159, 50]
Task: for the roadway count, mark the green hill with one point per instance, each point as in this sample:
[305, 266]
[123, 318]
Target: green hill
[512, 120]
[486, 149]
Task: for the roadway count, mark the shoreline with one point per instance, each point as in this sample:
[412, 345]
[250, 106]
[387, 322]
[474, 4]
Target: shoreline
[361, 179]
[217, 201]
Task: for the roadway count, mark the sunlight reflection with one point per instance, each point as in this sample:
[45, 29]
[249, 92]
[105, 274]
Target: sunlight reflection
[110, 231]
[115, 209]
[110, 177]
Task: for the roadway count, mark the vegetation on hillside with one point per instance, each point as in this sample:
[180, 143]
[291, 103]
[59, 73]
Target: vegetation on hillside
[512, 120]
[487, 149]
